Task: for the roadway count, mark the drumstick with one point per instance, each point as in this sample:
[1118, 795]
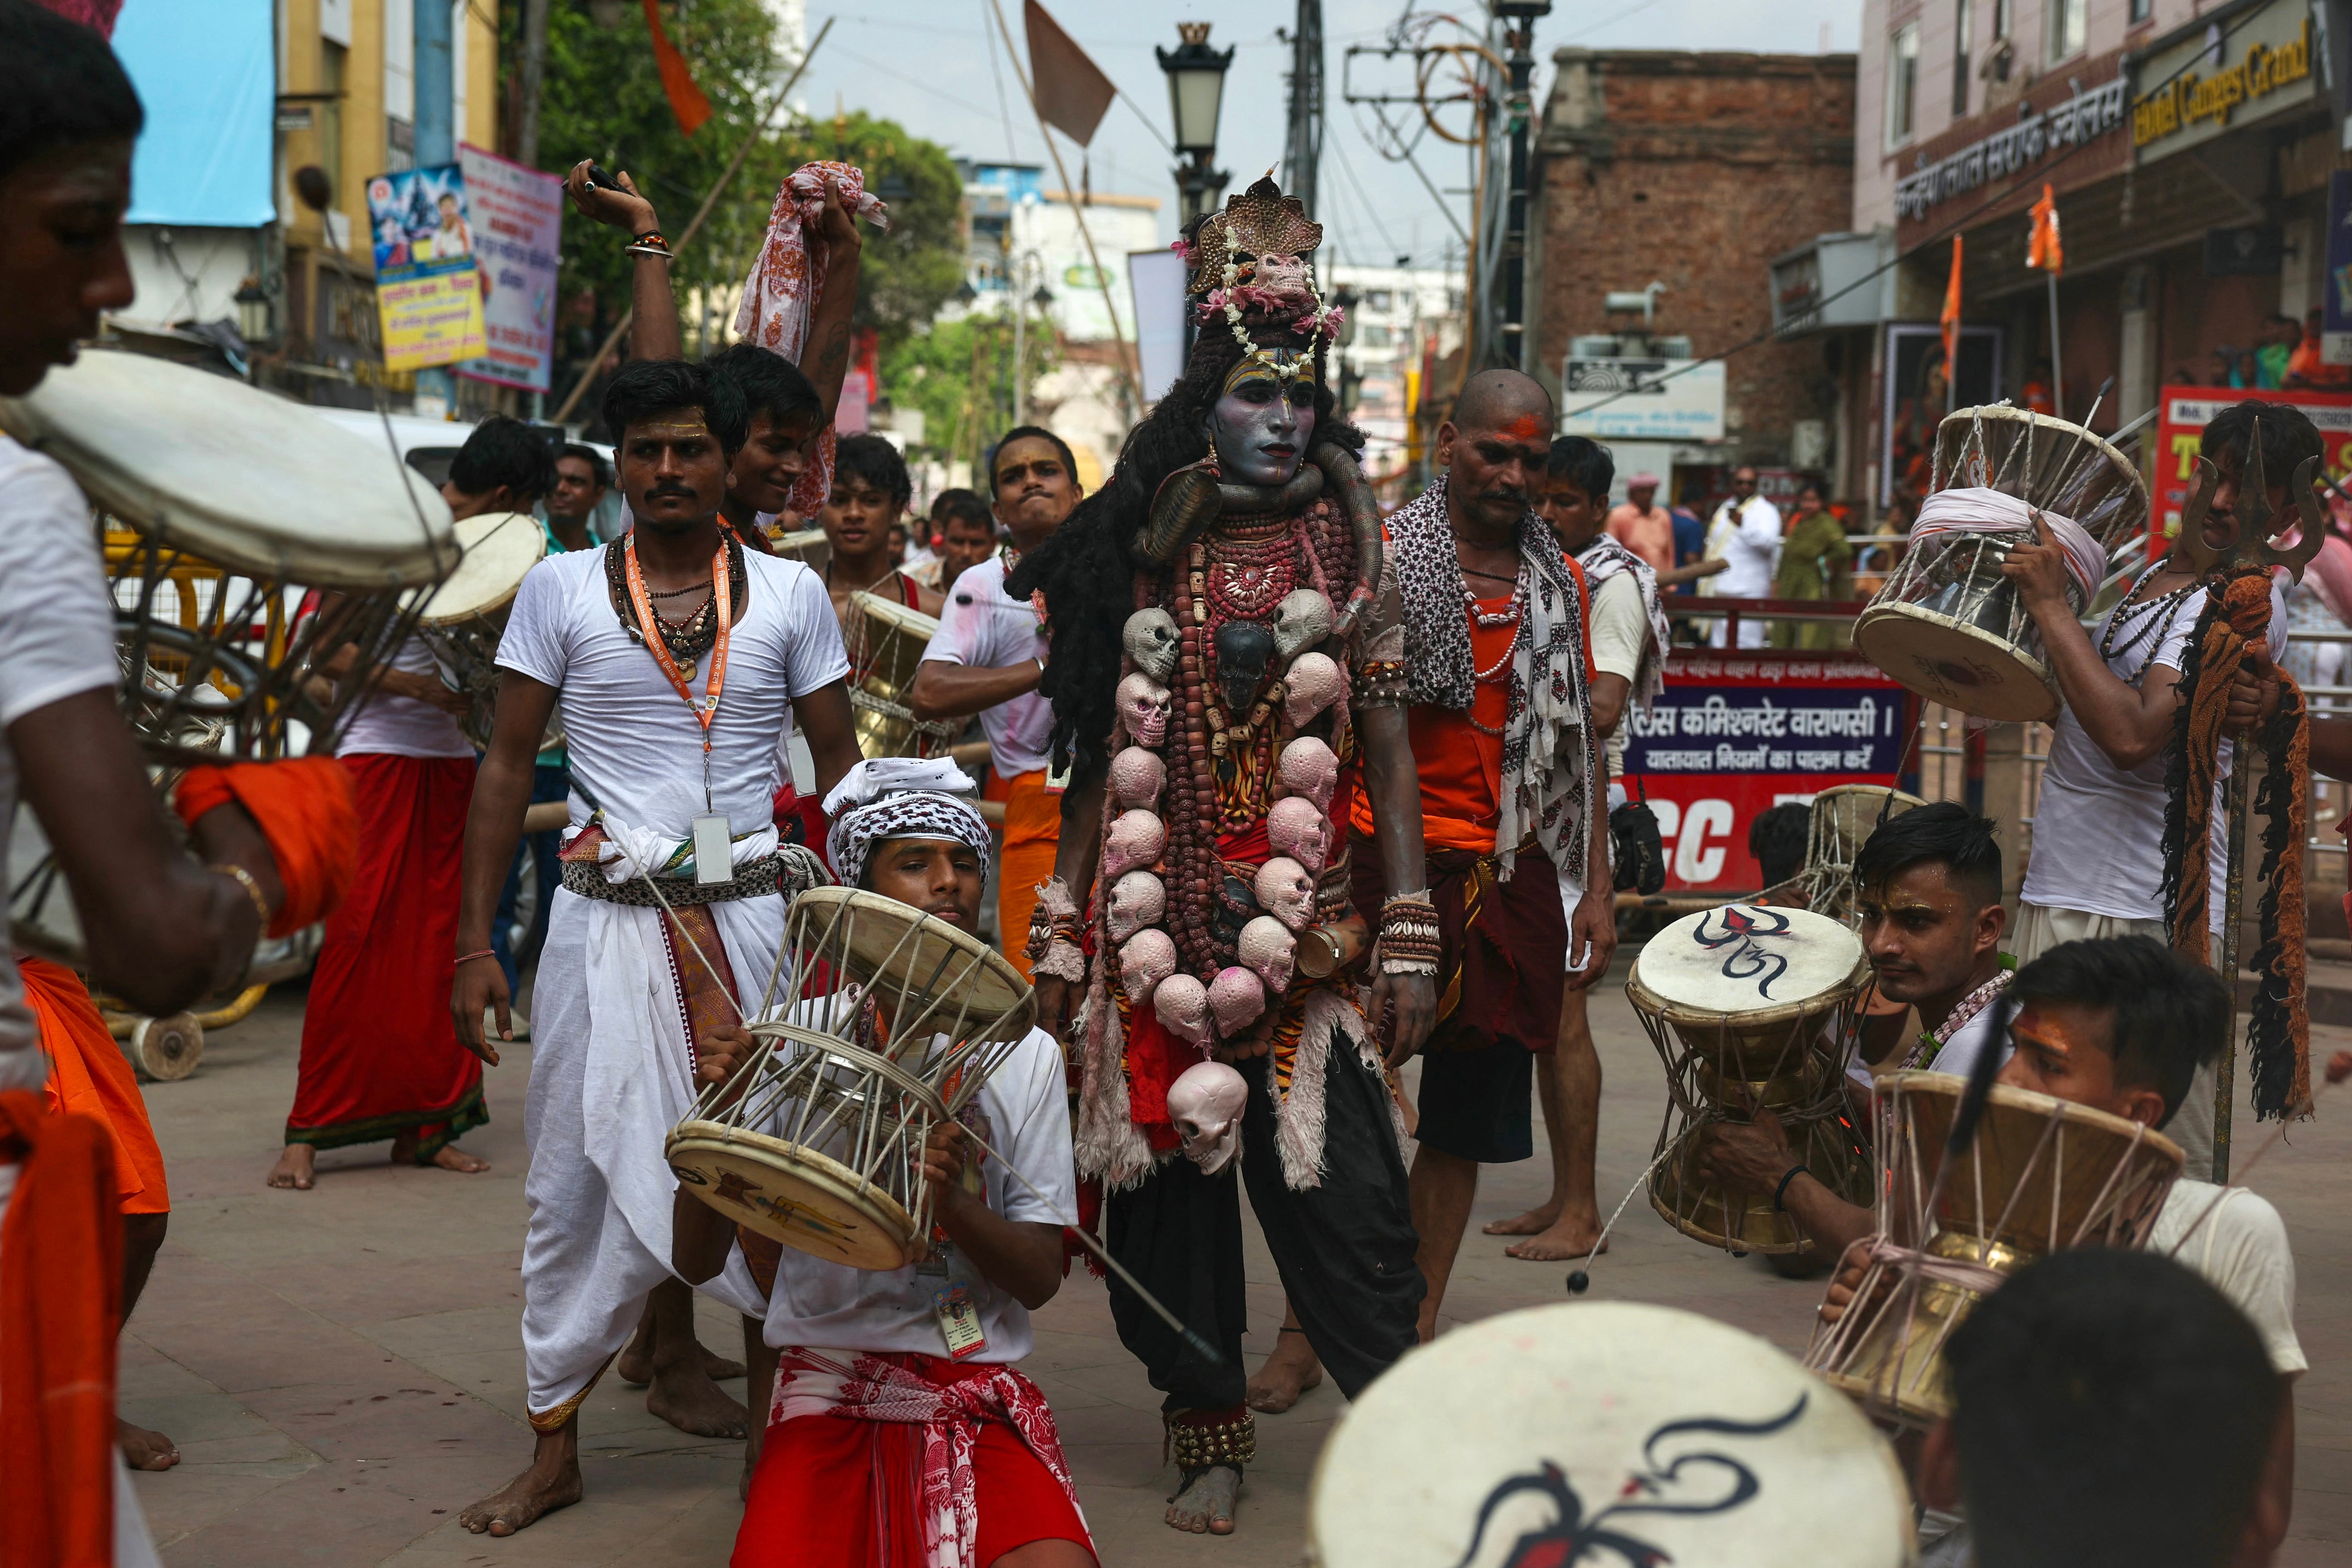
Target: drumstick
[1198, 1345]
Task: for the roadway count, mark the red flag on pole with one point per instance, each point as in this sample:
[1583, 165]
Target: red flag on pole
[2041, 246]
[1951, 314]
[686, 100]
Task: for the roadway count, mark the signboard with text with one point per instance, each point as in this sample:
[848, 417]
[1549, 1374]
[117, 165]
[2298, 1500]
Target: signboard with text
[1644, 399]
[2183, 412]
[2225, 69]
[1735, 734]
[429, 295]
[518, 228]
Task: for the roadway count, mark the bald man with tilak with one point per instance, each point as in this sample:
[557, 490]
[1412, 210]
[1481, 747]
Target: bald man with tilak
[1496, 666]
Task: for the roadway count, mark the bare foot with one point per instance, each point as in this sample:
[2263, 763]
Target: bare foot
[1570, 1237]
[634, 1365]
[540, 1489]
[1535, 1222]
[448, 1157]
[1204, 1503]
[686, 1398]
[142, 1450]
[296, 1168]
[1285, 1374]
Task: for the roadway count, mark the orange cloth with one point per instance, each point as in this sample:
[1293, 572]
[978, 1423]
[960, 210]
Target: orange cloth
[60, 1301]
[1649, 535]
[306, 808]
[1032, 833]
[2304, 367]
[89, 1077]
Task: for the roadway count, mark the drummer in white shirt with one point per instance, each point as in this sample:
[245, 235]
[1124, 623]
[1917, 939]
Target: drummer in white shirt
[1744, 534]
[2097, 867]
[988, 656]
[860, 1348]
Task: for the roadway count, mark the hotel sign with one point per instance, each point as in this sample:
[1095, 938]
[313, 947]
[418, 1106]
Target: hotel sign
[2248, 65]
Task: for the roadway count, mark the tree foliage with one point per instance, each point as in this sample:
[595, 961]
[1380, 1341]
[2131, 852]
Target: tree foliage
[960, 374]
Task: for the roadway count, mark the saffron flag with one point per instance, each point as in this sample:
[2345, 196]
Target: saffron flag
[1072, 93]
[2041, 246]
[686, 100]
[1951, 314]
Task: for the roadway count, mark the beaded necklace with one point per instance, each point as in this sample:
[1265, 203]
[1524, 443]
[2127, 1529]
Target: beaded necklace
[2153, 628]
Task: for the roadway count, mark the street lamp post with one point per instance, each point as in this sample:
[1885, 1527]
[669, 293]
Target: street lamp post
[1518, 18]
[1196, 90]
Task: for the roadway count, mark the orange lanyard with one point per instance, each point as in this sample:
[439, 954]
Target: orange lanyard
[706, 708]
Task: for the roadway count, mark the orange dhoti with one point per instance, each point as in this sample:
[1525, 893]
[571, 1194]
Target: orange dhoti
[1032, 833]
[88, 1075]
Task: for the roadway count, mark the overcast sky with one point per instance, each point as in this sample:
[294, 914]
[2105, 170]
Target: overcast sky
[928, 65]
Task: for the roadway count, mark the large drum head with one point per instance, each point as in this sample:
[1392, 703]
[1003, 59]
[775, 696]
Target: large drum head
[793, 1194]
[1962, 666]
[244, 480]
[930, 975]
[501, 548]
[1739, 960]
[1605, 1430]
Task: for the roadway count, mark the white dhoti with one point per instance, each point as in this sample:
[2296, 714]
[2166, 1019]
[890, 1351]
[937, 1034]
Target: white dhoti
[611, 1072]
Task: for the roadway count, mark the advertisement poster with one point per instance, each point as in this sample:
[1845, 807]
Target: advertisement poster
[2335, 327]
[517, 213]
[1734, 735]
[429, 292]
[1644, 399]
[2180, 425]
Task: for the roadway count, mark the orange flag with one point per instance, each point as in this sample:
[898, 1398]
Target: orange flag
[1951, 316]
[2042, 247]
[686, 100]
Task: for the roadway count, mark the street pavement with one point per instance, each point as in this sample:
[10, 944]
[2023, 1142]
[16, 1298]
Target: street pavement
[342, 1368]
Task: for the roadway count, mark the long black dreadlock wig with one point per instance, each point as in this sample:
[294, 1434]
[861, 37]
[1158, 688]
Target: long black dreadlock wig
[1086, 569]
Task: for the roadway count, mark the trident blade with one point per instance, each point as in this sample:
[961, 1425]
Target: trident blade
[2191, 544]
[2254, 514]
[2312, 525]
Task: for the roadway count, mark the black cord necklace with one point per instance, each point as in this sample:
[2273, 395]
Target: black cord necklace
[2153, 628]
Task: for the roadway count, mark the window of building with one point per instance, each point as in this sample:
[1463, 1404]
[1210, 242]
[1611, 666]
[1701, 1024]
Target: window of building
[1903, 83]
[1962, 43]
[1372, 335]
[1377, 300]
[2139, 11]
[2003, 14]
[2070, 28]
[333, 58]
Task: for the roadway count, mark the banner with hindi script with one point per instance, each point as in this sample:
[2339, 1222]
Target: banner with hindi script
[428, 291]
[1736, 733]
[517, 234]
[2183, 412]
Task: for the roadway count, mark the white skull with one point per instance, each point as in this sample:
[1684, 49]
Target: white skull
[1137, 899]
[1286, 892]
[1143, 704]
[1137, 777]
[1268, 950]
[1150, 640]
[1182, 1003]
[1302, 620]
[1205, 1105]
[1149, 958]
[1294, 828]
[1310, 768]
[1135, 839]
[1312, 683]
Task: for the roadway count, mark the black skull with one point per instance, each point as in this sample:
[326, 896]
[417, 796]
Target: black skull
[1244, 649]
[1235, 908]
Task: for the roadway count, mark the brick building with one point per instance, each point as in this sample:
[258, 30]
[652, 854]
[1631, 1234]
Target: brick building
[1693, 171]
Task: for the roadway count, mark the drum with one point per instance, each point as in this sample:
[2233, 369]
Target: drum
[1751, 1005]
[887, 647]
[823, 1149]
[1842, 820]
[462, 620]
[2044, 1174]
[1947, 624]
[222, 510]
[1605, 1433]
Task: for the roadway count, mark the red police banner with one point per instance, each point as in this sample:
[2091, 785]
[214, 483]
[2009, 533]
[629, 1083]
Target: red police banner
[1736, 733]
[2181, 423]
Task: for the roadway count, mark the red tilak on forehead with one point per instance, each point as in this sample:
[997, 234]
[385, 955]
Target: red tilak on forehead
[1525, 427]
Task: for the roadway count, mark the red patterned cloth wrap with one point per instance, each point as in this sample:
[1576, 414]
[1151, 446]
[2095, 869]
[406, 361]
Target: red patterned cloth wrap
[788, 278]
[896, 1460]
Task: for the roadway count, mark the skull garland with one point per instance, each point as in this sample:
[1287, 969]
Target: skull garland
[1268, 950]
[1137, 777]
[1300, 622]
[1148, 958]
[1237, 1000]
[1286, 890]
[1182, 1003]
[1314, 683]
[1137, 900]
[1150, 640]
[1143, 706]
[1295, 827]
[1135, 841]
[1205, 1105]
[1310, 769]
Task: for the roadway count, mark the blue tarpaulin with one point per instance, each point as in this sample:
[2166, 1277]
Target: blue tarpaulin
[206, 74]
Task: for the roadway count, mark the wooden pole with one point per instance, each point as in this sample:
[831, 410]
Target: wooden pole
[1102, 279]
[2225, 1071]
[734, 167]
[2057, 365]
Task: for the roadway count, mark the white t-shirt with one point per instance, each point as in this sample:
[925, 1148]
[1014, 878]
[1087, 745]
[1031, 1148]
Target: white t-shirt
[393, 726]
[2098, 832]
[57, 640]
[1752, 545]
[981, 628]
[2243, 1252]
[1621, 635]
[631, 739]
[1023, 1113]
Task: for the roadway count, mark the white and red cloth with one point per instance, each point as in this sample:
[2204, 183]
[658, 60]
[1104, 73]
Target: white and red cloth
[788, 278]
[1973, 508]
[949, 1407]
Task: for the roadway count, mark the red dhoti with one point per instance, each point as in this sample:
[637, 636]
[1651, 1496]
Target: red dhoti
[899, 1460]
[380, 1052]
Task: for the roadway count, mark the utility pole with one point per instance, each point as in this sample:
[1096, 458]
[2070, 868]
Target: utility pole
[436, 143]
[1519, 19]
[1303, 153]
[534, 74]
